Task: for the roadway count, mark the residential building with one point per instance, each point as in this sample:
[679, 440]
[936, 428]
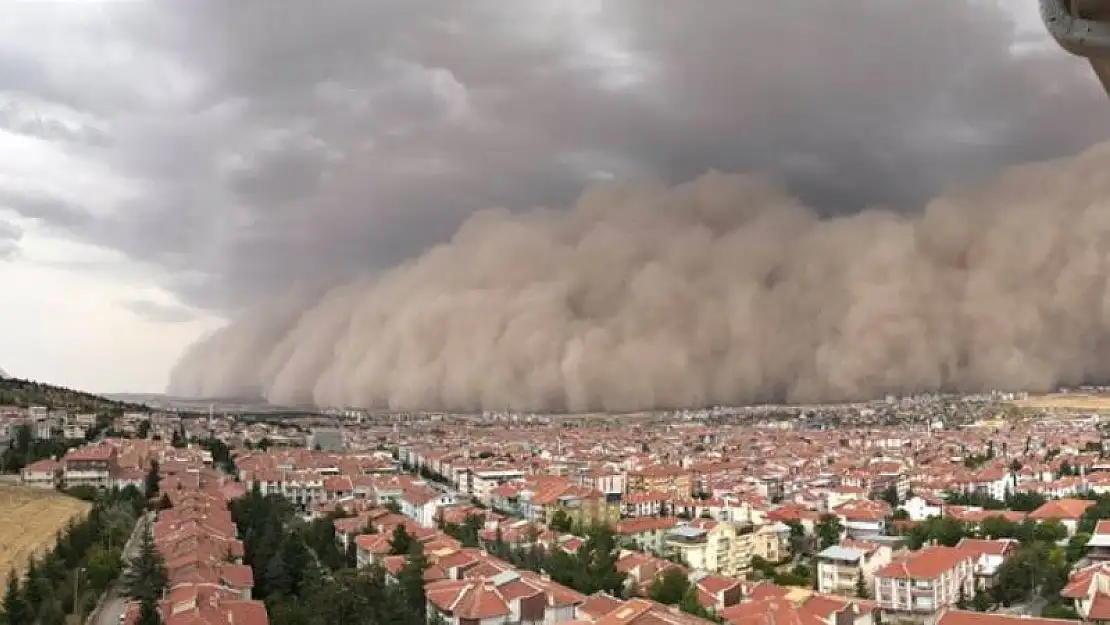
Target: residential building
[674, 481]
[842, 568]
[919, 586]
[1098, 547]
[988, 557]
[41, 474]
[1067, 511]
[646, 533]
[961, 617]
[92, 465]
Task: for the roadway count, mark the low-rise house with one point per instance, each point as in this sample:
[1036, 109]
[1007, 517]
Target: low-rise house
[716, 592]
[1067, 511]
[646, 533]
[509, 598]
[92, 465]
[422, 503]
[1098, 547]
[863, 518]
[842, 569]
[1089, 590]
[988, 557]
[961, 617]
[920, 586]
[921, 507]
[41, 474]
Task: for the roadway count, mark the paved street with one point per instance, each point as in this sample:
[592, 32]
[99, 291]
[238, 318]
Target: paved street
[114, 604]
[113, 608]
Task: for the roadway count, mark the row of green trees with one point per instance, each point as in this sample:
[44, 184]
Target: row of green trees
[1018, 501]
[305, 579]
[83, 563]
[949, 531]
[145, 580]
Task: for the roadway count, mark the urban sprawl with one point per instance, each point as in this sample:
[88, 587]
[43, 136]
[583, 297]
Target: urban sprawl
[992, 509]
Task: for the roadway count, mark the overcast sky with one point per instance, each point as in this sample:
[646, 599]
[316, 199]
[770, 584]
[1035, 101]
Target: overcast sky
[163, 164]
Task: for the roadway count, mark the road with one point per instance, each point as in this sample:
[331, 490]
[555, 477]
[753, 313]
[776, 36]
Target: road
[114, 603]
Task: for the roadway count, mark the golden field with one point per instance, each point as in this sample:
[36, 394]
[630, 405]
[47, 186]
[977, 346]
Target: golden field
[29, 521]
[1076, 402]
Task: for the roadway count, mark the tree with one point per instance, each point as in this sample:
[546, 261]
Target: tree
[560, 521]
[148, 613]
[351, 554]
[945, 530]
[1077, 546]
[861, 587]
[1025, 501]
[1060, 610]
[15, 607]
[152, 480]
[400, 543]
[33, 587]
[471, 530]
[998, 526]
[178, 439]
[411, 581]
[670, 587]
[828, 530]
[277, 575]
[592, 568]
[981, 602]
[890, 495]
[499, 548]
[690, 604]
[51, 612]
[146, 576]
[1020, 574]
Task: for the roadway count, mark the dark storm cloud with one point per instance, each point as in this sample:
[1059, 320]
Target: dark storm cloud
[318, 141]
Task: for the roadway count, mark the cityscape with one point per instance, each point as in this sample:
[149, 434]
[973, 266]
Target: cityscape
[989, 509]
[555, 312]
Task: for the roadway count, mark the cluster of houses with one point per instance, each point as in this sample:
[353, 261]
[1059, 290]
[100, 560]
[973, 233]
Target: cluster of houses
[663, 525]
[207, 580]
[44, 423]
[112, 463]
[710, 503]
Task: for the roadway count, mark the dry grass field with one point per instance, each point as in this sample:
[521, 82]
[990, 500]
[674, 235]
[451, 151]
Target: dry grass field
[29, 520]
[1073, 402]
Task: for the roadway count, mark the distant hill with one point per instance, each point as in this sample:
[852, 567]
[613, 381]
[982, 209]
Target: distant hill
[4, 375]
[202, 404]
[26, 393]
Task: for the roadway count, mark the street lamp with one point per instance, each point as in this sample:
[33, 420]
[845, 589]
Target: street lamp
[77, 593]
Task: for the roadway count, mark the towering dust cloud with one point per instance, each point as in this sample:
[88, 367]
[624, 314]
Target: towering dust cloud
[722, 290]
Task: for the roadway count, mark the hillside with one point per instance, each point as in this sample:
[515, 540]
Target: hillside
[25, 393]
